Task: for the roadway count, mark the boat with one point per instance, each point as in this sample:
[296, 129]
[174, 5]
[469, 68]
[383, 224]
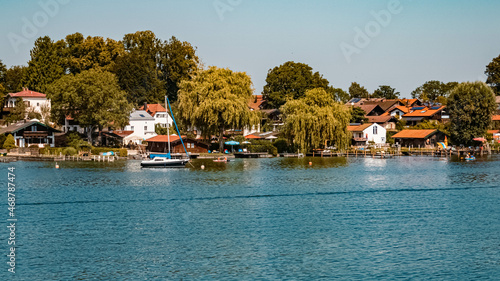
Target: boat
[470, 158]
[166, 161]
[222, 159]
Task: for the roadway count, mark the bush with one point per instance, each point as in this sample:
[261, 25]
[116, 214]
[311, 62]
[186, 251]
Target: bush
[9, 142]
[123, 152]
[281, 145]
[99, 150]
[69, 151]
[2, 140]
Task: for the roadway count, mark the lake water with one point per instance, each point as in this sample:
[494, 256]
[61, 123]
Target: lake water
[412, 218]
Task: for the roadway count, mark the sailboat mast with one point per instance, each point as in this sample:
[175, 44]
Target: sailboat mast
[168, 125]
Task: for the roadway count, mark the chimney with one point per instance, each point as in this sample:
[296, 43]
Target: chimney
[146, 106]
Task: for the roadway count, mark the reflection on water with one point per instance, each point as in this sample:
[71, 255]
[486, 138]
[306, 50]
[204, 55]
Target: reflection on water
[416, 218]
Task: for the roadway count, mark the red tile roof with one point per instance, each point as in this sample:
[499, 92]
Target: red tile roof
[164, 138]
[25, 93]
[493, 131]
[495, 118]
[123, 133]
[152, 109]
[252, 137]
[413, 134]
[255, 102]
[358, 128]
[426, 112]
[379, 119]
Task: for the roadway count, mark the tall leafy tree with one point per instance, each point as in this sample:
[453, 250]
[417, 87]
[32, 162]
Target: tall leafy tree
[91, 52]
[358, 115]
[357, 91]
[3, 70]
[315, 118]
[493, 73]
[216, 100]
[386, 92]
[46, 64]
[14, 77]
[339, 95]
[138, 69]
[434, 91]
[178, 62]
[290, 81]
[93, 98]
[470, 106]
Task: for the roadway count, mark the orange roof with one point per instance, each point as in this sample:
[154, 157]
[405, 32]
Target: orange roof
[123, 133]
[25, 93]
[426, 112]
[252, 137]
[164, 138]
[413, 134]
[255, 102]
[152, 109]
[379, 119]
[358, 128]
[408, 102]
[495, 118]
[493, 131]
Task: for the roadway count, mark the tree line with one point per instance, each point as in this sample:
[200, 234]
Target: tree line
[98, 81]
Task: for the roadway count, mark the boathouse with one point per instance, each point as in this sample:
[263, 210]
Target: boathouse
[160, 144]
[419, 138]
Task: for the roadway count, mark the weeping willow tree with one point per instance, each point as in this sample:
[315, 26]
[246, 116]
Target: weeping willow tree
[316, 118]
[217, 100]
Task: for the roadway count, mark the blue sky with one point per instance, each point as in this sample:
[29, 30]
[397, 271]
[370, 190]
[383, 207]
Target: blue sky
[418, 41]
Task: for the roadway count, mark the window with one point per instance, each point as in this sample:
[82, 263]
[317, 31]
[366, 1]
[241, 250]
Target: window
[33, 128]
[145, 128]
[374, 130]
[131, 128]
[37, 104]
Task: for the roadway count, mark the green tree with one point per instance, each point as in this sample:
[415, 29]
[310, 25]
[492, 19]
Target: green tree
[386, 92]
[3, 90]
[470, 106]
[46, 64]
[290, 81]
[9, 142]
[178, 62]
[216, 100]
[493, 73]
[91, 52]
[316, 118]
[339, 95]
[434, 91]
[92, 97]
[2, 140]
[14, 77]
[358, 115]
[138, 69]
[357, 91]
[18, 113]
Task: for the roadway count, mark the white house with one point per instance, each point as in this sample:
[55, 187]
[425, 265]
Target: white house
[159, 113]
[142, 124]
[34, 101]
[365, 133]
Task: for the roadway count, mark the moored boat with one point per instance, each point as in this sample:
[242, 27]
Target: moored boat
[165, 162]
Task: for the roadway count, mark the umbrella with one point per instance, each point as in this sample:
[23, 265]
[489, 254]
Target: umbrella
[479, 139]
[246, 142]
[231, 143]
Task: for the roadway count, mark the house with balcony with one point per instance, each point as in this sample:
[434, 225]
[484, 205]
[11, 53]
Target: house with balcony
[27, 133]
[365, 133]
[34, 101]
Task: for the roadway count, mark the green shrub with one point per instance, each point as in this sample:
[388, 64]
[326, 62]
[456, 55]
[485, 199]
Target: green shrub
[9, 142]
[281, 145]
[69, 151]
[2, 140]
[99, 150]
[123, 152]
